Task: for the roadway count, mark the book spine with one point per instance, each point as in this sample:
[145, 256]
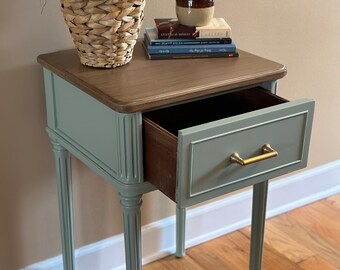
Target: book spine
[217, 33]
[167, 35]
[195, 49]
[165, 42]
[189, 56]
[211, 33]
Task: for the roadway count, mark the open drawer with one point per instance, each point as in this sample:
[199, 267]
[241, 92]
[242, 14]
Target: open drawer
[206, 148]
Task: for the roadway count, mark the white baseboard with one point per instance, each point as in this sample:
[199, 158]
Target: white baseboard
[208, 221]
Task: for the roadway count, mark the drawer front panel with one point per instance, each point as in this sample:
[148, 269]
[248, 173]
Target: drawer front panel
[205, 169]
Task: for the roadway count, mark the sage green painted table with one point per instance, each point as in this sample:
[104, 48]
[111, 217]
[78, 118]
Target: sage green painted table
[193, 128]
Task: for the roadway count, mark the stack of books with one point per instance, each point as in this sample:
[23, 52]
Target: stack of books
[169, 39]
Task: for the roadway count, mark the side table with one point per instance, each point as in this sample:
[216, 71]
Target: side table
[194, 129]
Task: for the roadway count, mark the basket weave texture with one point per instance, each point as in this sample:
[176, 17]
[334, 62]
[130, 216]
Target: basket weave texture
[104, 31]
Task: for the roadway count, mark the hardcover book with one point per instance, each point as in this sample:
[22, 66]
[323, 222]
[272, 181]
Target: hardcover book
[152, 37]
[191, 56]
[193, 49]
[171, 28]
[188, 55]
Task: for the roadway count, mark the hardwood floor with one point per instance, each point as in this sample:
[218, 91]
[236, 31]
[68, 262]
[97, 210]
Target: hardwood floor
[306, 238]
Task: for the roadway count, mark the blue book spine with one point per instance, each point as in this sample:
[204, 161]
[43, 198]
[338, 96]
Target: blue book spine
[189, 42]
[177, 49]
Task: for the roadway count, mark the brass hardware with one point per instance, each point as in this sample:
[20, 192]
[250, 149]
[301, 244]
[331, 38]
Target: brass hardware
[267, 150]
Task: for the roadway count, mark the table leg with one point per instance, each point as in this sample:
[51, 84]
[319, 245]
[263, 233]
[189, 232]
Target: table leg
[132, 229]
[260, 192]
[180, 231]
[64, 183]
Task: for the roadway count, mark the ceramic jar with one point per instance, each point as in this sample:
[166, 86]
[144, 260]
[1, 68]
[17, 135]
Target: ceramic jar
[194, 12]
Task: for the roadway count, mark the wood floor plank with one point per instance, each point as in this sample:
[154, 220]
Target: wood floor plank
[223, 253]
[271, 258]
[303, 239]
[320, 219]
[173, 263]
[327, 218]
[283, 244]
[292, 228]
[317, 263]
[232, 252]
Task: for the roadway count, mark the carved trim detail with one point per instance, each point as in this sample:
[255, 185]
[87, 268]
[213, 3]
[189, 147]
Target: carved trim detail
[129, 142]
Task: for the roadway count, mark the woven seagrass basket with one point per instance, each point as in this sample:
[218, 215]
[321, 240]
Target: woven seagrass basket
[104, 31]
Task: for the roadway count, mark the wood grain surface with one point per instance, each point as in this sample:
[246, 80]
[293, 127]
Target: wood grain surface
[306, 238]
[146, 84]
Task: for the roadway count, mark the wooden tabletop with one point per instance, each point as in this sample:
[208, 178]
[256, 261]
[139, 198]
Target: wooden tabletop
[145, 84]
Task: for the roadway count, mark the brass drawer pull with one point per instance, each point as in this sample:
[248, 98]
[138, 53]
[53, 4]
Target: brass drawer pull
[267, 150]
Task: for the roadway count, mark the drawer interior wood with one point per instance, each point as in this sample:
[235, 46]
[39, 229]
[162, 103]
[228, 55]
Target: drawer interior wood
[160, 129]
[207, 110]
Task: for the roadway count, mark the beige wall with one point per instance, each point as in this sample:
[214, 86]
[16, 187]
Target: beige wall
[304, 35]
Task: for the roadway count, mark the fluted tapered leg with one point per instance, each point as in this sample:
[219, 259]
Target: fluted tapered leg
[64, 183]
[132, 230]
